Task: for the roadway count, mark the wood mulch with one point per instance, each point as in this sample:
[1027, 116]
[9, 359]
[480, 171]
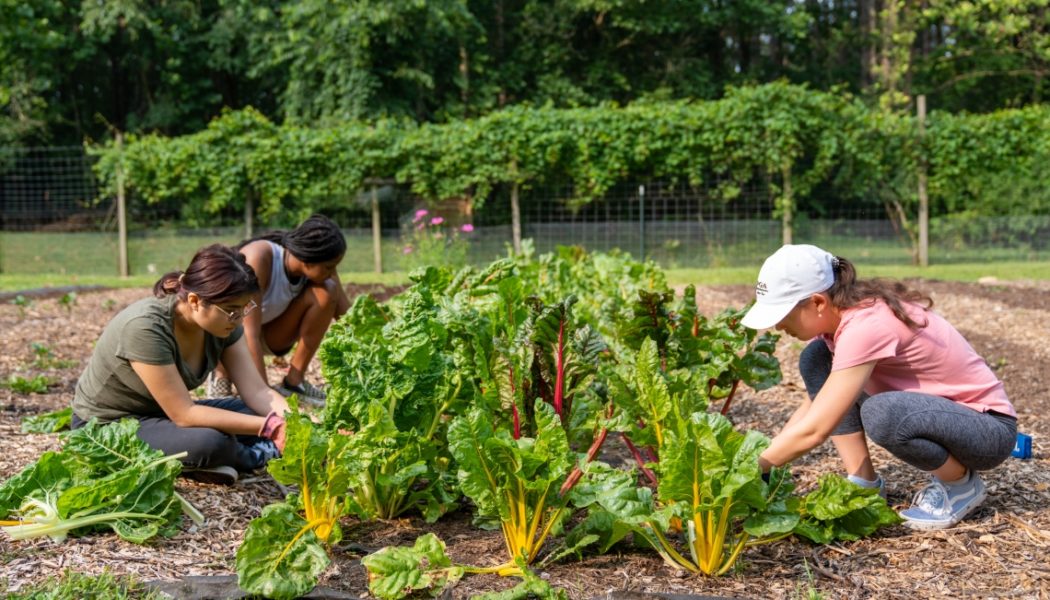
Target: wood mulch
[1001, 551]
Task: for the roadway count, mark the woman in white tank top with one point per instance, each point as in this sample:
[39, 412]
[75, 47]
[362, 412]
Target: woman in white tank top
[300, 297]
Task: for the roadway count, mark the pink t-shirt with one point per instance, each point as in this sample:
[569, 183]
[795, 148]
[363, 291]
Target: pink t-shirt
[935, 359]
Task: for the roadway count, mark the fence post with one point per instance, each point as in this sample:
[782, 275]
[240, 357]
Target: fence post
[515, 219]
[924, 201]
[787, 207]
[249, 212]
[641, 221]
[377, 236]
[122, 212]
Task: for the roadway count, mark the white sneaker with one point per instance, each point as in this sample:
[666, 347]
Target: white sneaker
[219, 387]
[940, 505]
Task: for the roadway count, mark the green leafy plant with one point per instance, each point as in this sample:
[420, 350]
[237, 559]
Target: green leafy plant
[103, 476]
[397, 572]
[44, 358]
[51, 422]
[397, 374]
[68, 301]
[286, 548]
[711, 496]
[514, 481]
[22, 303]
[32, 385]
[841, 510]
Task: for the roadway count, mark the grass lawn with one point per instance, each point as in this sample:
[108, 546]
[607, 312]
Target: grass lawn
[1006, 271]
[33, 260]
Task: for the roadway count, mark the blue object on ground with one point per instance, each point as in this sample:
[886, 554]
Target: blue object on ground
[1023, 446]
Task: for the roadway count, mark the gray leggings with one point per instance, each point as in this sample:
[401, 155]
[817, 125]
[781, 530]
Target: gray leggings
[206, 447]
[920, 429]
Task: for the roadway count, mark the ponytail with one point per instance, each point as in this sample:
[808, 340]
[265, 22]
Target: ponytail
[317, 240]
[848, 291]
[168, 284]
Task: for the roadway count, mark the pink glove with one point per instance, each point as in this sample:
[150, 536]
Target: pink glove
[273, 429]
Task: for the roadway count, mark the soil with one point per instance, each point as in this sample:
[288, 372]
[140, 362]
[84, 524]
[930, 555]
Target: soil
[1000, 551]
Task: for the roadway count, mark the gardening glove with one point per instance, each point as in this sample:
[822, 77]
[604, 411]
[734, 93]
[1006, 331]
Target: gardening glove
[273, 429]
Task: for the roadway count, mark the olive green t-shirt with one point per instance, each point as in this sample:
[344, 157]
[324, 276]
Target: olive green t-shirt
[109, 388]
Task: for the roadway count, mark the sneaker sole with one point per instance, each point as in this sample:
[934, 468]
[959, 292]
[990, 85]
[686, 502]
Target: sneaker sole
[216, 476]
[933, 525]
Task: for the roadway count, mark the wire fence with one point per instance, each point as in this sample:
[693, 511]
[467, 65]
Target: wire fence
[52, 221]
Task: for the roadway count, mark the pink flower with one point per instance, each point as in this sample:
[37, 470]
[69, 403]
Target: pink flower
[420, 214]
[406, 250]
[467, 228]
[437, 221]
[420, 226]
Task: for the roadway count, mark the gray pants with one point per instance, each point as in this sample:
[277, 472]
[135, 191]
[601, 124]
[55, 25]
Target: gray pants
[920, 429]
[205, 447]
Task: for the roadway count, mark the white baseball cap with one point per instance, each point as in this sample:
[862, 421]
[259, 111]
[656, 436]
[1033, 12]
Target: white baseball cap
[790, 275]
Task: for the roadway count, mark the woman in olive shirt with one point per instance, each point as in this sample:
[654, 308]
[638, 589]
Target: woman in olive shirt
[156, 350]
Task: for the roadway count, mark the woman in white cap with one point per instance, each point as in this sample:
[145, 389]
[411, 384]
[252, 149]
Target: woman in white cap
[882, 365]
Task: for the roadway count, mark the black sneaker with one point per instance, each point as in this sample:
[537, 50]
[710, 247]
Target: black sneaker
[306, 391]
[221, 475]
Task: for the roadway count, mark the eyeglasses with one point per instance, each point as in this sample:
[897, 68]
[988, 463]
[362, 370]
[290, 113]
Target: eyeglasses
[234, 315]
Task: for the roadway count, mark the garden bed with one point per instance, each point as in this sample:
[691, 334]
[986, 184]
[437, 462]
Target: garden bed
[1000, 551]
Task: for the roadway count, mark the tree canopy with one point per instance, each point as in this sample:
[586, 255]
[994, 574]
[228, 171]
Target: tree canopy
[75, 70]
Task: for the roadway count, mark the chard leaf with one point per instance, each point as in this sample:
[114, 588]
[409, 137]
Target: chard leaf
[51, 422]
[50, 472]
[841, 510]
[134, 490]
[399, 572]
[468, 438]
[104, 476]
[108, 448]
[280, 556]
[531, 586]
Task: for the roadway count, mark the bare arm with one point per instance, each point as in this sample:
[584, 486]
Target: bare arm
[259, 256]
[816, 423]
[342, 302]
[167, 388]
[254, 390]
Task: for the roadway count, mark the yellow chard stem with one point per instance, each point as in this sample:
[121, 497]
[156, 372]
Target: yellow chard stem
[676, 558]
[735, 554]
[310, 525]
[543, 536]
[536, 518]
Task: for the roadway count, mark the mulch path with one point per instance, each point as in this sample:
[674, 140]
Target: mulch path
[1000, 551]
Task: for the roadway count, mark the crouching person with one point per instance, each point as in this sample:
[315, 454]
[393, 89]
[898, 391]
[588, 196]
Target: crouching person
[156, 350]
[881, 365]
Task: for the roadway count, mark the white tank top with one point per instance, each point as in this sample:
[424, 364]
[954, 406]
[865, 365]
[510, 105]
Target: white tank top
[280, 293]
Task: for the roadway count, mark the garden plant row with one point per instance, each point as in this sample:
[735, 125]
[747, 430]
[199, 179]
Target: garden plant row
[494, 390]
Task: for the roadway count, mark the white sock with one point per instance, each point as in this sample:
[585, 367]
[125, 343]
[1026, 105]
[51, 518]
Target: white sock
[864, 483]
[965, 479]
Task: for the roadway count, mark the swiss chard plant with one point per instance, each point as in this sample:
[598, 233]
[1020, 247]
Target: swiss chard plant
[104, 476]
[398, 373]
[514, 481]
[286, 548]
[712, 501]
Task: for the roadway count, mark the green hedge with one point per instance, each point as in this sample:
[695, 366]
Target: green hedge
[770, 133]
